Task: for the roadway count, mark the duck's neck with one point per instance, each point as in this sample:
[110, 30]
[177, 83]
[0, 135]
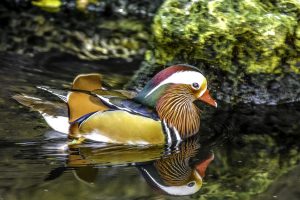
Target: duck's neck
[151, 99]
[176, 107]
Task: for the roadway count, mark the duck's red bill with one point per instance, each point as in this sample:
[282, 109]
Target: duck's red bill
[208, 99]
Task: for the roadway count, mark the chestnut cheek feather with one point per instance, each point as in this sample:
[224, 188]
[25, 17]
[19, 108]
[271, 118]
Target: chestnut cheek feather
[177, 108]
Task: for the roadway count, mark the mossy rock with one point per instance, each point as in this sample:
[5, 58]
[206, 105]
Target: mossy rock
[253, 35]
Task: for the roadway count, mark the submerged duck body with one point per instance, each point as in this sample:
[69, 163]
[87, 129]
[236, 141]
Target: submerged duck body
[162, 112]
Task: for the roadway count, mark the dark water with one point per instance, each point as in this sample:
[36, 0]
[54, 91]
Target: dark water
[255, 148]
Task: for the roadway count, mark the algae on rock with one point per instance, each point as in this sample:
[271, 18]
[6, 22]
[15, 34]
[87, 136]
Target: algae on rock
[253, 35]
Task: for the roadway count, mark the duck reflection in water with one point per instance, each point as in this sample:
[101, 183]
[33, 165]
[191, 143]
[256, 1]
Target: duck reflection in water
[175, 170]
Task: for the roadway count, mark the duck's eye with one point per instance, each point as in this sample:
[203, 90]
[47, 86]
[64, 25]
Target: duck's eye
[191, 184]
[196, 86]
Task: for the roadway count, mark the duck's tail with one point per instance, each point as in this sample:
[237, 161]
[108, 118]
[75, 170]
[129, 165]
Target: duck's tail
[54, 113]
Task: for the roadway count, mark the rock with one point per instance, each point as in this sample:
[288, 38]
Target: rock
[242, 46]
[248, 34]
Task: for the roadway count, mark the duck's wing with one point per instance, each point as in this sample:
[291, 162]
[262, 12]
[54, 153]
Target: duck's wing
[129, 105]
[95, 98]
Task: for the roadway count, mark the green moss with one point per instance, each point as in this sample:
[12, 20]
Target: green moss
[234, 35]
[266, 66]
[294, 65]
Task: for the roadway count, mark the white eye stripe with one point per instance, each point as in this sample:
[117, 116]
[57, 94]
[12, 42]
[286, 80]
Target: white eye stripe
[183, 77]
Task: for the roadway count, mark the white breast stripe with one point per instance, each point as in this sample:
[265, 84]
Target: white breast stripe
[167, 132]
[183, 77]
[178, 138]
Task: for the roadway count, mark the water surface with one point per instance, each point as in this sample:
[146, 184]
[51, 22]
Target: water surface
[255, 148]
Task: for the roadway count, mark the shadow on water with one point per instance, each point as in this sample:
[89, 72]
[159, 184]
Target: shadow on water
[255, 148]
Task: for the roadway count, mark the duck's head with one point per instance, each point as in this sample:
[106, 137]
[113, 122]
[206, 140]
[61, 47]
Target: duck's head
[172, 93]
[182, 80]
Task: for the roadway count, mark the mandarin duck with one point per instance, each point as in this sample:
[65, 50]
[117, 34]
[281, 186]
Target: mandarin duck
[176, 171]
[162, 112]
